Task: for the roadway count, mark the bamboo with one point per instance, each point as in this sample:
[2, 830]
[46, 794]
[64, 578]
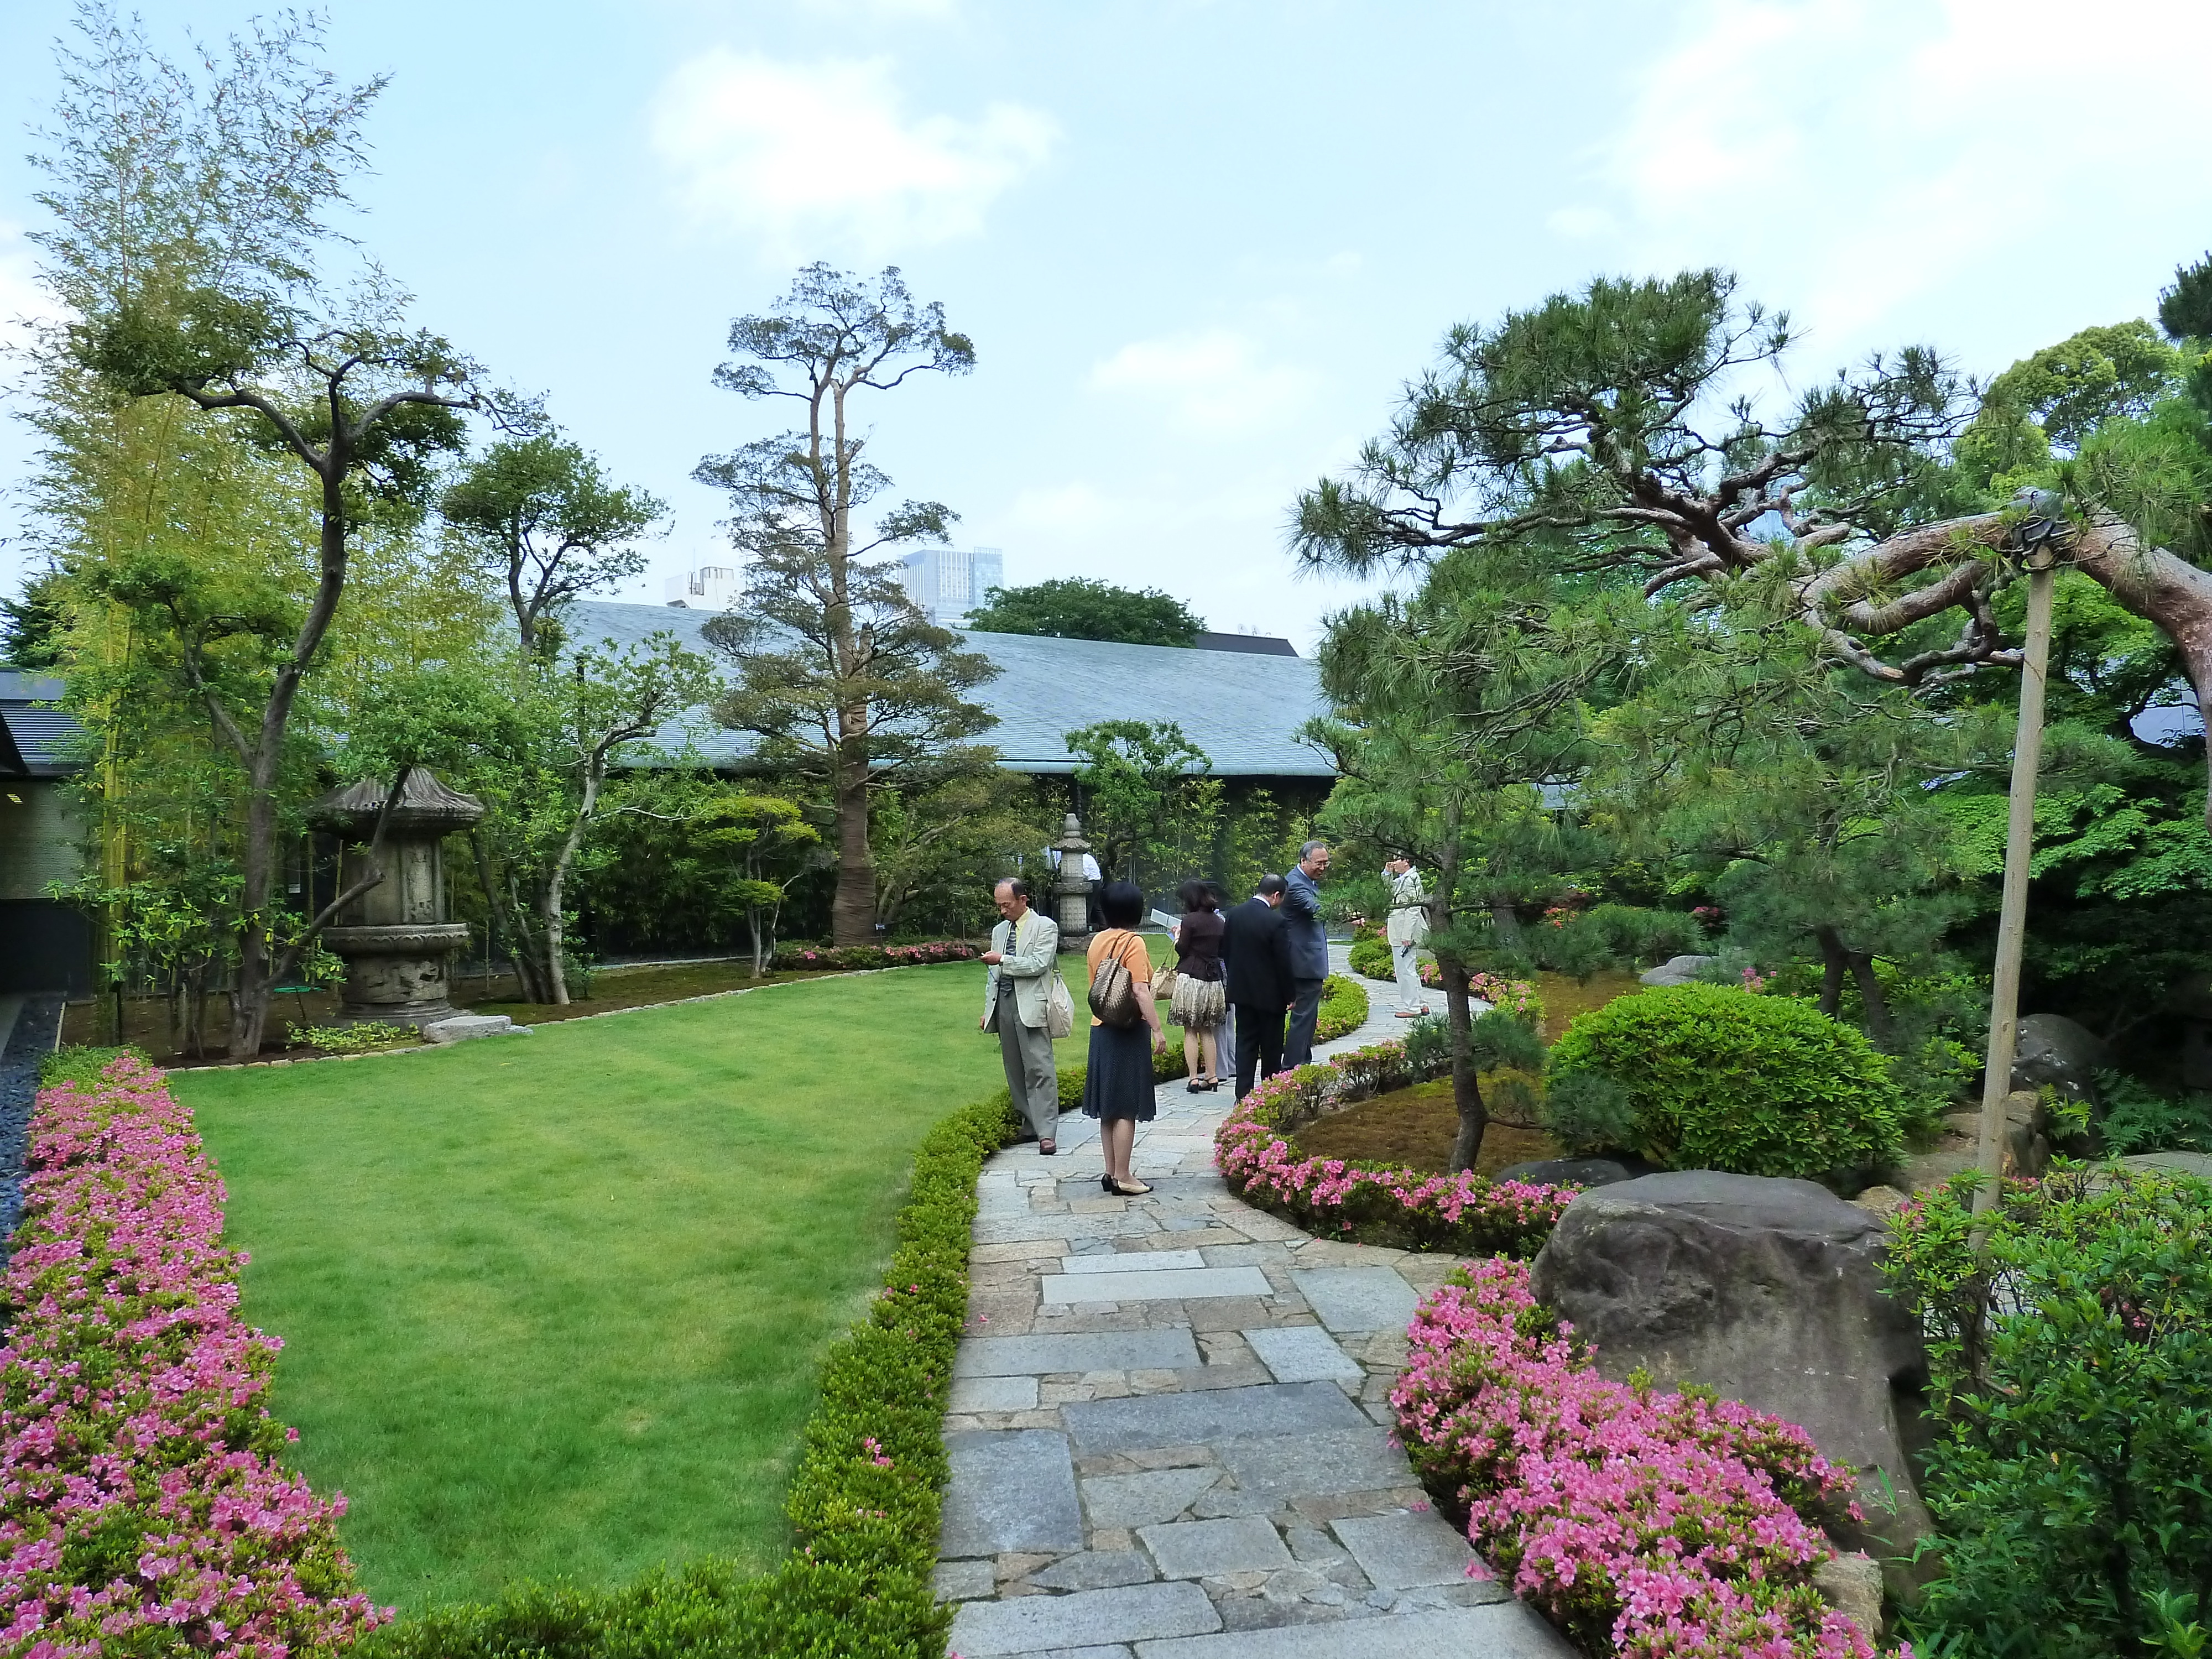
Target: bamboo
[2020, 849]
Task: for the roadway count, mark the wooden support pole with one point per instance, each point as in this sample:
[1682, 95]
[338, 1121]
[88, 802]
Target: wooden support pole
[2020, 850]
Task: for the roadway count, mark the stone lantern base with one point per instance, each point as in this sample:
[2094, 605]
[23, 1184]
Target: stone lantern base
[397, 975]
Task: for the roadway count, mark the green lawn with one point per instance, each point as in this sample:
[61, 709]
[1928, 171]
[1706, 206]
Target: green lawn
[554, 1304]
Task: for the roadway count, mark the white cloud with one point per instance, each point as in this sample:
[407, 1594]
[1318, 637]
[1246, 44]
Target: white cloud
[798, 153]
[1855, 155]
[1213, 382]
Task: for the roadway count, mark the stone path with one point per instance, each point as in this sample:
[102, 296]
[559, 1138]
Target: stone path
[1169, 1425]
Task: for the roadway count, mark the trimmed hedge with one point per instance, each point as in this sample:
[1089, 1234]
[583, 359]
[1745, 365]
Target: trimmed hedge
[1370, 957]
[796, 958]
[1712, 1078]
[864, 1501]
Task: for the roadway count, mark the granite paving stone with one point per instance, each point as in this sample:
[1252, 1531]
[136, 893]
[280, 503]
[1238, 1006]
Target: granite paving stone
[1144, 1500]
[1207, 1549]
[1212, 1415]
[1304, 1353]
[1033, 1624]
[963, 1581]
[1506, 1631]
[1357, 1298]
[1011, 1489]
[993, 1394]
[1091, 1570]
[1154, 1284]
[1125, 1261]
[1399, 1552]
[1334, 1461]
[1101, 1351]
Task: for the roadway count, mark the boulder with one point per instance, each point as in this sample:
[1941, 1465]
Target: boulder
[1851, 1585]
[1566, 1172]
[1676, 970]
[2190, 1164]
[462, 1027]
[2054, 1050]
[1767, 1291]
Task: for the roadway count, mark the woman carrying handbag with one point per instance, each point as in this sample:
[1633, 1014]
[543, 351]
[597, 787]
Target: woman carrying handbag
[1118, 1088]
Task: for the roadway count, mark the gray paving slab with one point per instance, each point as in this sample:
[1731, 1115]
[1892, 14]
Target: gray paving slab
[1158, 1285]
[1091, 1570]
[1210, 1417]
[1146, 1500]
[1035, 1624]
[1304, 1353]
[1401, 1552]
[1084, 1351]
[1505, 1631]
[1012, 1489]
[1022, 1229]
[963, 1581]
[993, 1394]
[1357, 1298]
[1207, 1549]
[1333, 1460]
[1130, 1261]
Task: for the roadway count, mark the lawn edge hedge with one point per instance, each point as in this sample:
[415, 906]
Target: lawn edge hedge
[864, 1499]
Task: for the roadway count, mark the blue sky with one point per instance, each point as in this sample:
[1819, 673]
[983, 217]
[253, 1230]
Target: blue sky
[1200, 246]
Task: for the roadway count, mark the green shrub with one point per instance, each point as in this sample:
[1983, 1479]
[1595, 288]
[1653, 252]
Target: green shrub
[864, 1499]
[352, 1039]
[81, 1063]
[1343, 1009]
[2069, 1474]
[2139, 1119]
[1371, 957]
[1643, 936]
[1722, 1079]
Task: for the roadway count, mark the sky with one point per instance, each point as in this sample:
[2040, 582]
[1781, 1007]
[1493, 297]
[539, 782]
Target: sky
[1201, 245]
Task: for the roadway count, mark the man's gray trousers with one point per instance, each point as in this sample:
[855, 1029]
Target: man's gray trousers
[1031, 1077]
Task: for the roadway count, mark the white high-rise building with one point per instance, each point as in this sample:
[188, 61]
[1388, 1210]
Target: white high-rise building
[710, 587]
[949, 582]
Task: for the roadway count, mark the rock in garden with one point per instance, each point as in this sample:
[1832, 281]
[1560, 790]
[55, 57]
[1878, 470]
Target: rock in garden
[1851, 1585]
[1768, 1290]
[2054, 1050]
[1567, 1172]
[1676, 970]
[462, 1027]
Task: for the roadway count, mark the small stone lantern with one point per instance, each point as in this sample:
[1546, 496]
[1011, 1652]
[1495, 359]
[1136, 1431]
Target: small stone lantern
[1071, 888]
[396, 939]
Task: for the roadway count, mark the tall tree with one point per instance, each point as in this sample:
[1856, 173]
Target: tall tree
[838, 674]
[1140, 780]
[1078, 608]
[1601, 431]
[191, 218]
[540, 516]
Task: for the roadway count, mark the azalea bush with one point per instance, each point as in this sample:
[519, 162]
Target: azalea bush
[1370, 956]
[1640, 1522]
[1463, 1213]
[807, 958]
[145, 1508]
[1517, 996]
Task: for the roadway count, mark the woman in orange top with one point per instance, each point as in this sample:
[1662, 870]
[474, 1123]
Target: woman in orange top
[1118, 1087]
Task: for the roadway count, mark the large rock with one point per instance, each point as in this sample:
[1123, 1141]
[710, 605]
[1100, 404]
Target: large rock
[1567, 1172]
[2054, 1050]
[1769, 1292]
[462, 1027]
[1676, 970]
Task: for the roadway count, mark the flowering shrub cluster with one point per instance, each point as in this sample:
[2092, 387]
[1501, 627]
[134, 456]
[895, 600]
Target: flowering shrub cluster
[797, 958]
[144, 1509]
[1643, 1523]
[1517, 996]
[1463, 1213]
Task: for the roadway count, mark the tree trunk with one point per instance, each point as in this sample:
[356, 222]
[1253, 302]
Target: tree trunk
[1874, 1006]
[507, 912]
[1507, 919]
[1836, 963]
[852, 914]
[1467, 1083]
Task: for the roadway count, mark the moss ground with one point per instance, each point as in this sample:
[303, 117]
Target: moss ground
[554, 1305]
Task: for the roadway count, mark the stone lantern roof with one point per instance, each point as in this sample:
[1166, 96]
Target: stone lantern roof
[424, 803]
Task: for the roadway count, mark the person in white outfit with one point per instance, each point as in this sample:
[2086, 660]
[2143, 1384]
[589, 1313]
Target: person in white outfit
[1406, 930]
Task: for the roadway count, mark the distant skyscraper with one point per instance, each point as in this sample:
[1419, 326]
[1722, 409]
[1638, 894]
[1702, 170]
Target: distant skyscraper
[710, 587]
[949, 582]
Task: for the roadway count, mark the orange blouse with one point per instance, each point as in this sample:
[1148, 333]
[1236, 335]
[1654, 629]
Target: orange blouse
[1126, 944]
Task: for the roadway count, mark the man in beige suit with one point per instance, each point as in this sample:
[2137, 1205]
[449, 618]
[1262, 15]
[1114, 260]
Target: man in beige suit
[1017, 998]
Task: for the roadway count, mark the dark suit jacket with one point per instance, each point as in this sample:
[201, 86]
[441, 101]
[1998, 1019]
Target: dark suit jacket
[1301, 913]
[1255, 949]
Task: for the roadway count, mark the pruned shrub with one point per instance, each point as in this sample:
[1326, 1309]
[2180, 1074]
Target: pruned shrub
[1722, 1079]
[1370, 957]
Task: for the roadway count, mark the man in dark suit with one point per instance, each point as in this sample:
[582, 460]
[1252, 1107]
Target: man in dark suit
[1309, 949]
[1255, 955]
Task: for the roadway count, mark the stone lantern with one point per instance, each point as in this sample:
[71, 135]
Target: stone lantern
[396, 939]
[1071, 888]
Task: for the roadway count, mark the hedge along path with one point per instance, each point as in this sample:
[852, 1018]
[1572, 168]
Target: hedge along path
[1169, 1425]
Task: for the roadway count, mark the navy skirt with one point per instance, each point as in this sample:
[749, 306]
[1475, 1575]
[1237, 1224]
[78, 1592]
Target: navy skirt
[1118, 1081]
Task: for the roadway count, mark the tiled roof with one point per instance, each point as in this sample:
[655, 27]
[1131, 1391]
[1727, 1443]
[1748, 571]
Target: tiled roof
[34, 741]
[1243, 709]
